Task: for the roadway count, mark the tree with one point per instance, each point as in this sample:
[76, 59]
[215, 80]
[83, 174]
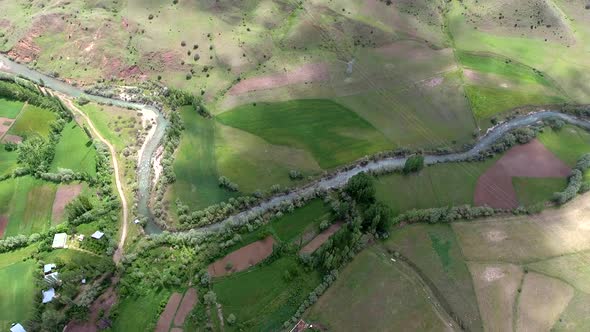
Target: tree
[414, 164]
[78, 207]
[361, 188]
[377, 217]
[231, 319]
[35, 154]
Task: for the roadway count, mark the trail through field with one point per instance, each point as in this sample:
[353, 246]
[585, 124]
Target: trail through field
[415, 277]
[119, 252]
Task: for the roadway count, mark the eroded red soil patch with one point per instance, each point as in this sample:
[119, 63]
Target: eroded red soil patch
[317, 241]
[12, 139]
[64, 195]
[168, 314]
[188, 302]
[242, 258]
[5, 124]
[494, 188]
[313, 72]
[26, 49]
[3, 224]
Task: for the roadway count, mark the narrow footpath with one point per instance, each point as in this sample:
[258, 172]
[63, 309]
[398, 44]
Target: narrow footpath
[119, 252]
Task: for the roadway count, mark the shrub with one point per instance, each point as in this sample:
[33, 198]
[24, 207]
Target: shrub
[414, 164]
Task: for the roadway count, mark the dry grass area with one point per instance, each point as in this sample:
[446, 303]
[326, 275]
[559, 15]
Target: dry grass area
[496, 286]
[541, 302]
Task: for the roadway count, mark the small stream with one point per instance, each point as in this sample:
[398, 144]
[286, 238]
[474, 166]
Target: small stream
[150, 146]
[336, 181]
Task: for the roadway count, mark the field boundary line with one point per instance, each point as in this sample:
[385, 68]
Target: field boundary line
[15, 119]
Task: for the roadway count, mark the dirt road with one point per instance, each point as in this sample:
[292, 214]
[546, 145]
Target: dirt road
[119, 252]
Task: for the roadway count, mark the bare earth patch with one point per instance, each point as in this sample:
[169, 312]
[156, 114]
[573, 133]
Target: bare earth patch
[542, 300]
[496, 287]
[64, 195]
[494, 188]
[3, 224]
[5, 124]
[307, 73]
[26, 49]
[186, 306]
[317, 241]
[242, 258]
[168, 313]
[12, 139]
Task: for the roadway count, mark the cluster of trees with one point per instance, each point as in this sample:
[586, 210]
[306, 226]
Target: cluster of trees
[312, 298]
[413, 164]
[170, 143]
[445, 214]
[521, 135]
[213, 213]
[575, 182]
[224, 182]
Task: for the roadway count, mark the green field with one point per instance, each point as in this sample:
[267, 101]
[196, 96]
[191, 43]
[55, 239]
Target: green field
[333, 134]
[374, 294]
[261, 298]
[116, 125]
[291, 227]
[135, 314]
[18, 287]
[10, 108]
[568, 143]
[33, 120]
[487, 101]
[435, 186]
[74, 151]
[27, 202]
[7, 160]
[435, 251]
[195, 164]
[530, 191]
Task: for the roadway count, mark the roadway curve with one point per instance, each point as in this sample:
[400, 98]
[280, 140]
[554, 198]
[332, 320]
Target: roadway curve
[119, 252]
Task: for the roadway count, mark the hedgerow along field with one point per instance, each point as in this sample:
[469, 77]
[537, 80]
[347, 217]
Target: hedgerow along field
[331, 133]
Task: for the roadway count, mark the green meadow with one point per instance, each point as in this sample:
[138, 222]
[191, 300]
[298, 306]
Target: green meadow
[74, 151]
[262, 298]
[7, 160]
[27, 202]
[333, 134]
[195, 163]
[435, 186]
[18, 287]
[10, 108]
[33, 120]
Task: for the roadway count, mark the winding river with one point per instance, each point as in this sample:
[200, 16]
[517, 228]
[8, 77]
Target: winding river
[149, 146]
[336, 181]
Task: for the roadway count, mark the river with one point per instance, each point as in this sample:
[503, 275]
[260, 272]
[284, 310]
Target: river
[336, 181]
[149, 146]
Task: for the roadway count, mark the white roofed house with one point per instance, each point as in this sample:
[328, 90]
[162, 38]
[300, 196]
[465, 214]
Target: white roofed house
[59, 240]
[48, 295]
[49, 272]
[97, 235]
[17, 328]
